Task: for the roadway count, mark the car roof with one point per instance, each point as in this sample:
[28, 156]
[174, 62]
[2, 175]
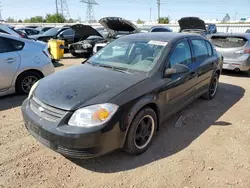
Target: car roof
[245, 35]
[162, 36]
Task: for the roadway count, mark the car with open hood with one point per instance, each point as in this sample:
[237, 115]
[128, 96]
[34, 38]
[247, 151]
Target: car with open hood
[89, 37]
[193, 25]
[121, 95]
[116, 27]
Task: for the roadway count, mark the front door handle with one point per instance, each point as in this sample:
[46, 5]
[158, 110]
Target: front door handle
[10, 60]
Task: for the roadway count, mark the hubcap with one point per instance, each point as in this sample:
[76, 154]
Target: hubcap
[214, 86]
[28, 83]
[144, 132]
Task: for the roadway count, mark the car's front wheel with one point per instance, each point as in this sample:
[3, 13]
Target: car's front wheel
[141, 131]
[213, 87]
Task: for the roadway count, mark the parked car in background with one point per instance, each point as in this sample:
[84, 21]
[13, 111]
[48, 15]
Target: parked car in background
[192, 25]
[9, 30]
[43, 29]
[89, 37]
[235, 49]
[116, 27]
[211, 28]
[248, 31]
[22, 63]
[28, 31]
[136, 81]
[160, 29]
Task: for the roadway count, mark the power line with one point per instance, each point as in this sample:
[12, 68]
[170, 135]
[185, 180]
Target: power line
[90, 15]
[62, 8]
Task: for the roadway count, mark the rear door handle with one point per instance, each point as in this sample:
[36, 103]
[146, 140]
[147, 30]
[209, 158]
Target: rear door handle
[10, 60]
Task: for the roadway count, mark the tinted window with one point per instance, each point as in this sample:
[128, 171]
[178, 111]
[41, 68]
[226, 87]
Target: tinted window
[209, 48]
[160, 30]
[9, 45]
[200, 48]
[228, 41]
[68, 32]
[181, 54]
[4, 46]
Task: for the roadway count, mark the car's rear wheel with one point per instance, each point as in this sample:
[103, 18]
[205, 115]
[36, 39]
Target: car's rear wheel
[25, 81]
[213, 87]
[141, 132]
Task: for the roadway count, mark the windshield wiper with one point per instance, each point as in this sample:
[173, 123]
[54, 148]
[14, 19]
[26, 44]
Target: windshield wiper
[120, 69]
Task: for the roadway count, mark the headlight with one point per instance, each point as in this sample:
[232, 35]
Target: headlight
[93, 116]
[32, 89]
[87, 45]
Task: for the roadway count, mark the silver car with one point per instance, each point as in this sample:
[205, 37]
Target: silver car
[235, 49]
[22, 63]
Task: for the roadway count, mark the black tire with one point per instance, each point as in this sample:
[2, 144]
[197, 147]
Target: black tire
[20, 88]
[131, 145]
[212, 90]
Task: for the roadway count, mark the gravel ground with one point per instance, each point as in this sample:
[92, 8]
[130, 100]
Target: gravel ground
[210, 149]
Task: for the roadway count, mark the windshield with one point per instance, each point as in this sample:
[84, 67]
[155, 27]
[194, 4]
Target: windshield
[51, 32]
[139, 55]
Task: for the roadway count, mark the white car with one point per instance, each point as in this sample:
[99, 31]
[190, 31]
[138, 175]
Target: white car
[7, 30]
[22, 63]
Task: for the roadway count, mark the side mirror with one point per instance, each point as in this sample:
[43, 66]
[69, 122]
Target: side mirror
[176, 69]
[60, 35]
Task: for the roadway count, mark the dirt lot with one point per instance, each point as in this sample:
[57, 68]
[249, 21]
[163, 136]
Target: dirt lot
[210, 149]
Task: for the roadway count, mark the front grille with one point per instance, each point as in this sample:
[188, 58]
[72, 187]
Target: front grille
[45, 111]
[77, 153]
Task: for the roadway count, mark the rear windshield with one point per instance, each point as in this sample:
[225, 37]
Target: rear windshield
[228, 41]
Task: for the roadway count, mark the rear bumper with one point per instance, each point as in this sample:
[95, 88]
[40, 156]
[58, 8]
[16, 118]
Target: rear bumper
[233, 65]
[48, 69]
[73, 142]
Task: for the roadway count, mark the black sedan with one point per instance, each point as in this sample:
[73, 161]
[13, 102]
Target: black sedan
[120, 96]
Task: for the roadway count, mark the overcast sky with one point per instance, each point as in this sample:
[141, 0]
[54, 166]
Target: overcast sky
[131, 9]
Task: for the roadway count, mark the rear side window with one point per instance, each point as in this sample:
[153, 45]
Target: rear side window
[228, 41]
[200, 48]
[4, 46]
[209, 48]
[9, 45]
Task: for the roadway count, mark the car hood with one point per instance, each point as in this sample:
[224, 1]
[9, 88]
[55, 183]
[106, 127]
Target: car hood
[191, 23]
[83, 85]
[117, 24]
[84, 31]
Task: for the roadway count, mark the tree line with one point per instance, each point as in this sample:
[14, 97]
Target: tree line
[49, 18]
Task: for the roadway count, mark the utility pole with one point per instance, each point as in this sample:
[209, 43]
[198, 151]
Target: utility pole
[159, 9]
[90, 15]
[150, 14]
[56, 7]
[62, 8]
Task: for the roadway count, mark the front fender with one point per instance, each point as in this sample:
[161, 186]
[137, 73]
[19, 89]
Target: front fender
[136, 107]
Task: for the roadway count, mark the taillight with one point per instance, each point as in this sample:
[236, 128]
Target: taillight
[247, 51]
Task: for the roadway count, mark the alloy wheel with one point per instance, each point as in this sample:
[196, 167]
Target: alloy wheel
[28, 82]
[144, 132]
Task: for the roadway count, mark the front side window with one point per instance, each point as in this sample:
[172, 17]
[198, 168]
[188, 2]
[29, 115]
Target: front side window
[135, 55]
[181, 54]
[200, 48]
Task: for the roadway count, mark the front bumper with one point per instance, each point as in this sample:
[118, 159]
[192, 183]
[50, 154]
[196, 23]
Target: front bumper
[73, 142]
